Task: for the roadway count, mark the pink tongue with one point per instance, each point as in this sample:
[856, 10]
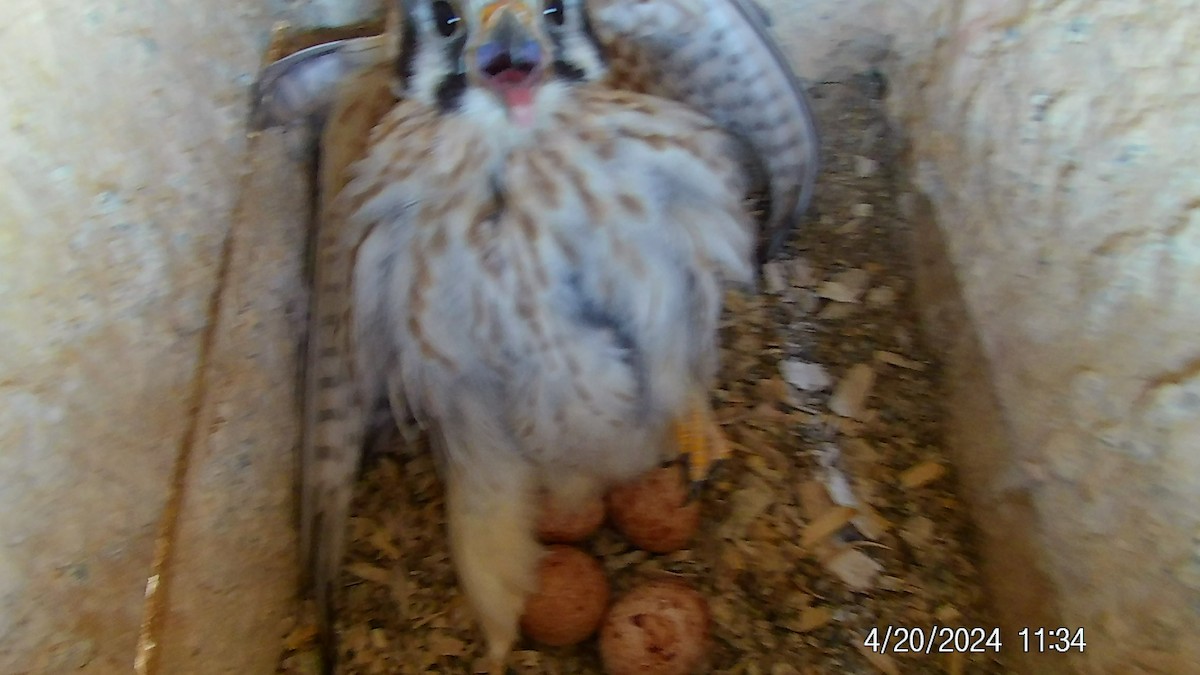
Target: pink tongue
[518, 96]
[519, 100]
[515, 86]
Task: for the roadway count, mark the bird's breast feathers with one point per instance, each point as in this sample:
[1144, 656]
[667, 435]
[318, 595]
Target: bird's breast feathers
[595, 160]
[600, 233]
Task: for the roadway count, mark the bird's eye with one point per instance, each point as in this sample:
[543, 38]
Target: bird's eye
[554, 13]
[446, 18]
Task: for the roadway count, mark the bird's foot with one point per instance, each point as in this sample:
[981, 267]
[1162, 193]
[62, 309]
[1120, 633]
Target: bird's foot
[701, 445]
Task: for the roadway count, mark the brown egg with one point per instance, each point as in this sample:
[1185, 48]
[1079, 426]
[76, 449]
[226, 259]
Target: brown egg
[570, 600]
[653, 511]
[660, 627]
[560, 525]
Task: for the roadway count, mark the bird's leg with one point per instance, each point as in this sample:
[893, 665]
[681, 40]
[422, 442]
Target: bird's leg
[700, 442]
[490, 508]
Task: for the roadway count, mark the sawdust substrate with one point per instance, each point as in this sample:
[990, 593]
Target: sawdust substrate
[822, 526]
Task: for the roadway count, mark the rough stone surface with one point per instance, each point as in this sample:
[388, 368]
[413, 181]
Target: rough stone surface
[233, 573]
[1054, 140]
[120, 153]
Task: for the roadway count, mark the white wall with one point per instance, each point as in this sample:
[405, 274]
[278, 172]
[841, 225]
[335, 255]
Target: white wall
[1056, 142]
[121, 149]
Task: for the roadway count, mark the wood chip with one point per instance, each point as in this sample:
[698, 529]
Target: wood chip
[922, 474]
[446, 645]
[893, 359]
[381, 539]
[370, 573]
[865, 167]
[837, 292]
[881, 297]
[956, 663]
[917, 532]
[749, 503]
[837, 311]
[855, 568]
[862, 210]
[884, 663]
[805, 376]
[860, 453]
[947, 614]
[870, 523]
[775, 277]
[849, 227]
[826, 525]
[801, 273]
[850, 397]
[847, 286]
[814, 499]
[300, 636]
[810, 619]
[772, 390]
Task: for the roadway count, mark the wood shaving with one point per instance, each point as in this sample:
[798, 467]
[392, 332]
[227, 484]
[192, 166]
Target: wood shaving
[810, 619]
[922, 474]
[882, 662]
[865, 167]
[775, 277]
[826, 525]
[881, 297]
[850, 397]
[805, 376]
[893, 359]
[855, 568]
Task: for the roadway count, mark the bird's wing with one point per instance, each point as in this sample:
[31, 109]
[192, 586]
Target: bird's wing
[719, 57]
[301, 86]
[336, 394]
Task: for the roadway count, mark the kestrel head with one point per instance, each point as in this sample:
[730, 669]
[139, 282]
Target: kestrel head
[489, 57]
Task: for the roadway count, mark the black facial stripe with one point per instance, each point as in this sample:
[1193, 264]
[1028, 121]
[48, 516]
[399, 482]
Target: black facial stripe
[556, 46]
[568, 71]
[450, 91]
[408, 50]
[588, 31]
[562, 67]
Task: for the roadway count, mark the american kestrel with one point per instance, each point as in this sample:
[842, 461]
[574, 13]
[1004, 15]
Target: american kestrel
[528, 260]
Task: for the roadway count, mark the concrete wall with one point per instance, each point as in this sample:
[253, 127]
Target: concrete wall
[119, 160]
[122, 153]
[1057, 142]
[1054, 144]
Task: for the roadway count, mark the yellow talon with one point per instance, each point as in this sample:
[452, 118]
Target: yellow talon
[701, 444]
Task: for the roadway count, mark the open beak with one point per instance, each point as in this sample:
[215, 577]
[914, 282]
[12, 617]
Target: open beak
[509, 58]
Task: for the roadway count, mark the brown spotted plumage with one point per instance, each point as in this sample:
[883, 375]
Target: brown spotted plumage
[527, 260]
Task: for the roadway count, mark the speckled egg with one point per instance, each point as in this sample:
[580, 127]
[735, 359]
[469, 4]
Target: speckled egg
[570, 600]
[558, 524]
[653, 512]
[660, 627]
